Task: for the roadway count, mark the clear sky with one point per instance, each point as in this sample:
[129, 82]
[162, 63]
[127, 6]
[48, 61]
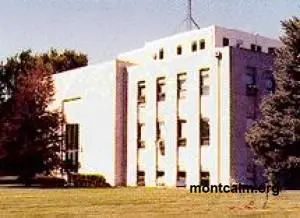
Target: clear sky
[104, 28]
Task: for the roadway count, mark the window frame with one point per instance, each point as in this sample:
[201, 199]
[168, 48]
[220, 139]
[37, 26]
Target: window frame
[194, 46]
[181, 82]
[204, 139]
[179, 50]
[160, 83]
[259, 48]
[181, 139]
[204, 89]
[161, 146]
[225, 42]
[161, 54]
[268, 77]
[158, 129]
[141, 98]
[202, 44]
[251, 88]
[204, 178]
[72, 146]
[140, 141]
[181, 175]
[140, 177]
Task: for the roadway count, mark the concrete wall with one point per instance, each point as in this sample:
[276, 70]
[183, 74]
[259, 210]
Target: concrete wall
[220, 116]
[191, 158]
[94, 111]
[212, 35]
[237, 36]
[121, 122]
[169, 44]
[241, 155]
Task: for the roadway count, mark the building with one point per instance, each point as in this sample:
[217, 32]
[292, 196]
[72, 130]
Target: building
[175, 110]
[92, 101]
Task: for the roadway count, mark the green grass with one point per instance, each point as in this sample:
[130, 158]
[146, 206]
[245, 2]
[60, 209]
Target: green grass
[137, 202]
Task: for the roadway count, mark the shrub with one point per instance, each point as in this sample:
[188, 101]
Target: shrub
[50, 181]
[87, 180]
[43, 181]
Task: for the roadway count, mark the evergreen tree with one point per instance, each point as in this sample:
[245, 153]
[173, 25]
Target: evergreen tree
[275, 137]
[66, 60]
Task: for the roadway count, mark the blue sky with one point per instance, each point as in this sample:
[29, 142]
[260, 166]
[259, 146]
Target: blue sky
[104, 28]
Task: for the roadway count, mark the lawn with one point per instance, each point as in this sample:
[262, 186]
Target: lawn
[137, 202]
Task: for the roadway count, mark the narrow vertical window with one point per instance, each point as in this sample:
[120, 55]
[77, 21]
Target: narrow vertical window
[269, 83]
[160, 125]
[179, 50]
[204, 82]
[204, 131]
[160, 178]
[253, 47]
[72, 147]
[181, 86]
[160, 134]
[161, 89]
[250, 76]
[202, 44]
[140, 178]
[72, 136]
[194, 46]
[181, 132]
[141, 135]
[225, 42]
[258, 48]
[141, 92]
[181, 178]
[204, 178]
[161, 54]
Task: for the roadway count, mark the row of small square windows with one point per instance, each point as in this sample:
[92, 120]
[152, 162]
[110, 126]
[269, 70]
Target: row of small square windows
[194, 48]
[181, 88]
[181, 136]
[181, 178]
[251, 88]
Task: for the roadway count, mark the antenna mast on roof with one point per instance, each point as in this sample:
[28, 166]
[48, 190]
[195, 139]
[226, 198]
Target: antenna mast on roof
[189, 20]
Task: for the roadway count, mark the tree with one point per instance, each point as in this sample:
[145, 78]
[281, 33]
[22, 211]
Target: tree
[30, 136]
[67, 60]
[275, 137]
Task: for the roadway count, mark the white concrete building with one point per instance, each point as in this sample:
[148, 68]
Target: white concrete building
[90, 99]
[146, 129]
[196, 74]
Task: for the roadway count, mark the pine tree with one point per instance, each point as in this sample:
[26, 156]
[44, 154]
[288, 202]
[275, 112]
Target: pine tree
[275, 137]
[66, 60]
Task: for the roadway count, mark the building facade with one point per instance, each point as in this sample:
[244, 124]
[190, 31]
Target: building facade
[179, 108]
[95, 110]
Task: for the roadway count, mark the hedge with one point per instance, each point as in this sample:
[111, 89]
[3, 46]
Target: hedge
[43, 181]
[87, 180]
[50, 181]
